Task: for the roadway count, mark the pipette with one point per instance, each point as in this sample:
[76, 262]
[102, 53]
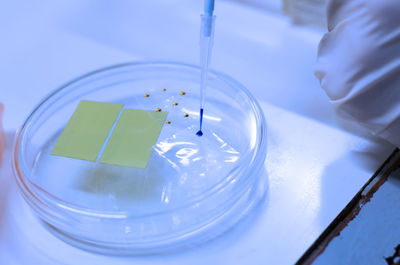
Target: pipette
[206, 43]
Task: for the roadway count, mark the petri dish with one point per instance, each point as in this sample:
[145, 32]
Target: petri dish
[193, 189]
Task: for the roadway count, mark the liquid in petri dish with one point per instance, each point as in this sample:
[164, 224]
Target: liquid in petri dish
[182, 165]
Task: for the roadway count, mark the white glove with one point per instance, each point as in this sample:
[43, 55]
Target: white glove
[359, 63]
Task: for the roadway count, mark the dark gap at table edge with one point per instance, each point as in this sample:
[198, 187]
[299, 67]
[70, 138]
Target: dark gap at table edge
[352, 209]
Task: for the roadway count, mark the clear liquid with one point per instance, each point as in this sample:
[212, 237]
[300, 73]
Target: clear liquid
[182, 165]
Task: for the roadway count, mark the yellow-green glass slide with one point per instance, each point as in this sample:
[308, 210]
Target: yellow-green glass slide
[130, 143]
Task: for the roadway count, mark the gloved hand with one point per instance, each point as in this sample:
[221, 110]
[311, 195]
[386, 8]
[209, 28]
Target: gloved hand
[359, 63]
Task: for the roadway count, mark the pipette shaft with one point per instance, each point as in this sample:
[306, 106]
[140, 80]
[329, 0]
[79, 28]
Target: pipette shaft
[206, 43]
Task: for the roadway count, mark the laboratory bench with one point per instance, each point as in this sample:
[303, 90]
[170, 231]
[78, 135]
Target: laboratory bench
[317, 164]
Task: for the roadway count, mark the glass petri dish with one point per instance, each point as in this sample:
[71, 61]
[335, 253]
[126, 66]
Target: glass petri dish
[193, 189]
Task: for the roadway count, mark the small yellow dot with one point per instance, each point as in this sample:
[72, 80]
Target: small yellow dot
[186, 115]
[158, 109]
[146, 95]
[183, 93]
[175, 103]
[168, 122]
[164, 89]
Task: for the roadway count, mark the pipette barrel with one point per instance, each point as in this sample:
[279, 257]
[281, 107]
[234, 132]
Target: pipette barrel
[206, 43]
[208, 7]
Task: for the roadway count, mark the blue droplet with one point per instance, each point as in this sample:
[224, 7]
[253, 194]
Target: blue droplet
[199, 133]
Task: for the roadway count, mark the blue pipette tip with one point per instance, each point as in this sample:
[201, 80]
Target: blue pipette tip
[200, 133]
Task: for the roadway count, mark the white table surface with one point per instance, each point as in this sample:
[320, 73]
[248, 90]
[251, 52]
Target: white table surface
[315, 163]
